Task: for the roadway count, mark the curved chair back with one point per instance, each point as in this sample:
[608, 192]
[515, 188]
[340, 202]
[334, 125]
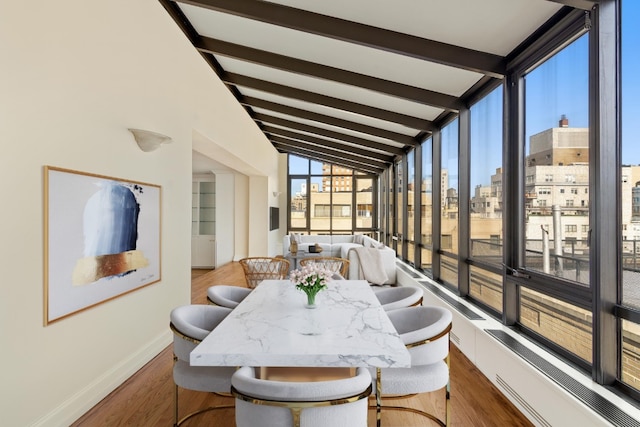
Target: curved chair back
[227, 295]
[425, 332]
[190, 325]
[399, 297]
[257, 269]
[268, 403]
[333, 264]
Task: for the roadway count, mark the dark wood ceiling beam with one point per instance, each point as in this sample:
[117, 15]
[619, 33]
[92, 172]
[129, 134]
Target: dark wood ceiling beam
[264, 118]
[329, 120]
[327, 151]
[578, 4]
[361, 34]
[321, 71]
[390, 150]
[336, 146]
[327, 101]
[327, 159]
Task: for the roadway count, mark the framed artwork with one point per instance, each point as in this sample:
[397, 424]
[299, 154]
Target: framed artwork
[101, 239]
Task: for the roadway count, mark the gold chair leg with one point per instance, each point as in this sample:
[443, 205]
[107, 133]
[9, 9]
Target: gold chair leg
[295, 413]
[175, 405]
[378, 396]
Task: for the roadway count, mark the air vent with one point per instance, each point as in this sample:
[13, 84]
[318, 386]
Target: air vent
[592, 399]
[522, 401]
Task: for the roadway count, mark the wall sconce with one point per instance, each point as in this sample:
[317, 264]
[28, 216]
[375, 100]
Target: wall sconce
[149, 141]
[277, 193]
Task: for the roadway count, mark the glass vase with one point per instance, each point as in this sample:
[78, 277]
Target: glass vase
[311, 300]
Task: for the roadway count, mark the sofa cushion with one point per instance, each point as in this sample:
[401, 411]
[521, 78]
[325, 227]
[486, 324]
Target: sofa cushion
[339, 239]
[345, 248]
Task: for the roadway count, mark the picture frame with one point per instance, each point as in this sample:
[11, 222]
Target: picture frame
[101, 239]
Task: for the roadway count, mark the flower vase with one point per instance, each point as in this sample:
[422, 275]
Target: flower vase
[311, 300]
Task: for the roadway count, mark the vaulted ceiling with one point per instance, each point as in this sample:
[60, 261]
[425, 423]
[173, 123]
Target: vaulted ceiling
[359, 82]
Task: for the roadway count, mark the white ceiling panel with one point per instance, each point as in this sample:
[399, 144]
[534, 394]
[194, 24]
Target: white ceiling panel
[360, 76]
[495, 26]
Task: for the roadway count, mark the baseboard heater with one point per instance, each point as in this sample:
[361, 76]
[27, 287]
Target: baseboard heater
[595, 401]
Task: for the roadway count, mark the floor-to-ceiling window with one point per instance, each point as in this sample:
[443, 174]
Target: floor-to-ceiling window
[410, 222]
[630, 196]
[400, 206]
[449, 227]
[329, 199]
[485, 206]
[426, 206]
[556, 201]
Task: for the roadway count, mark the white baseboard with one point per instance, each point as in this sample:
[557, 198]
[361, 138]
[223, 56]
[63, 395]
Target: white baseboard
[86, 398]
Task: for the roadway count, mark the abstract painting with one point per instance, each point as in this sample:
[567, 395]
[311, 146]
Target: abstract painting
[102, 239]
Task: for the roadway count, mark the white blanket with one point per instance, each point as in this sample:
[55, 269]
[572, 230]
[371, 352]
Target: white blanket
[371, 265]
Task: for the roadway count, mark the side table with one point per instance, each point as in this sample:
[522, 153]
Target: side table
[293, 259]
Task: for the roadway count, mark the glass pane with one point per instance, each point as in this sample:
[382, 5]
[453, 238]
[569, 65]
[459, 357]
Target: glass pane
[564, 324]
[411, 253]
[449, 270]
[426, 202]
[411, 182]
[449, 181]
[486, 287]
[364, 203]
[341, 170]
[557, 164]
[298, 165]
[486, 179]
[399, 207]
[342, 213]
[631, 354]
[426, 259]
[318, 168]
[391, 211]
[630, 187]
[320, 196]
[298, 210]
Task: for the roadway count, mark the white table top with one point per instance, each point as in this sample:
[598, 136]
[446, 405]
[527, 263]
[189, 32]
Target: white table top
[272, 327]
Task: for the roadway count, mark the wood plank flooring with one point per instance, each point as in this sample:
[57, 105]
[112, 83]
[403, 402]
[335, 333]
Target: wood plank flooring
[146, 399]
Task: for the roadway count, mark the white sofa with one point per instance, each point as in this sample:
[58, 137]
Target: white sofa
[341, 246]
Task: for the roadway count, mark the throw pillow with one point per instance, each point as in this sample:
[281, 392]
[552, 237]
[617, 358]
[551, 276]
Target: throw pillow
[359, 239]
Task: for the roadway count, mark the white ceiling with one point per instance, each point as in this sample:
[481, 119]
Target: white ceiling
[358, 82]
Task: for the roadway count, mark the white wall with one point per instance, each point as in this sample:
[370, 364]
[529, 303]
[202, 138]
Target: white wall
[74, 76]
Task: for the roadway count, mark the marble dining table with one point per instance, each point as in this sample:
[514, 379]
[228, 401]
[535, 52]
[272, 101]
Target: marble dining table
[273, 327]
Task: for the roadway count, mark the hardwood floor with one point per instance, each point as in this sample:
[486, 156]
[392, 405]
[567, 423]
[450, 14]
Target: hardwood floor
[146, 399]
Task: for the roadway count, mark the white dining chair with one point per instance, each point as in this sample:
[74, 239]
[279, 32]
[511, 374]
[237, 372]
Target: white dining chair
[425, 332]
[190, 325]
[268, 403]
[227, 295]
[399, 297]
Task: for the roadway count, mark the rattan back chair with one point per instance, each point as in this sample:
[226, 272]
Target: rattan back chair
[257, 269]
[333, 264]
